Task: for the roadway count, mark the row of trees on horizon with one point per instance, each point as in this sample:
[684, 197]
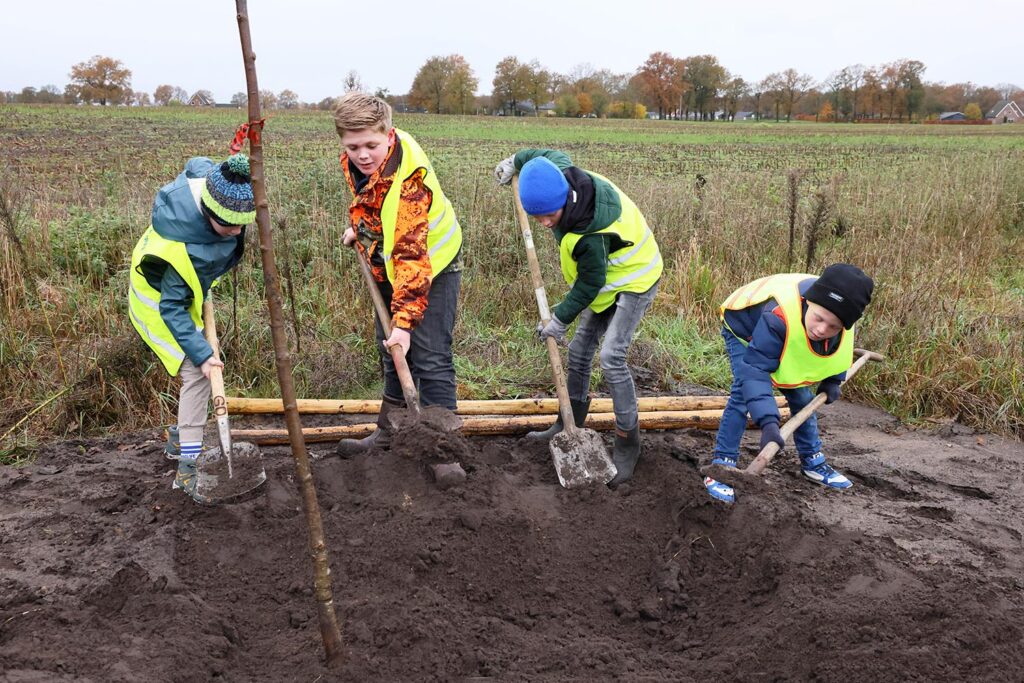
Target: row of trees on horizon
[696, 88]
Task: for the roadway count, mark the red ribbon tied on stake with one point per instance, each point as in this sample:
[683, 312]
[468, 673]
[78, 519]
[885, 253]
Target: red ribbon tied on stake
[247, 131]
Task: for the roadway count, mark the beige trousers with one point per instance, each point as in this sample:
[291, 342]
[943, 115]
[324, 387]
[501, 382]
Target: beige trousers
[193, 403]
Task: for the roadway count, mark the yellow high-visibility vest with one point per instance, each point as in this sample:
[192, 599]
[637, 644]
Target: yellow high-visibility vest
[444, 235]
[144, 299]
[799, 365]
[633, 268]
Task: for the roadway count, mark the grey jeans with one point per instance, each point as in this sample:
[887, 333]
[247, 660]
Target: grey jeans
[430, 352]
[193, 402]
[617, 324]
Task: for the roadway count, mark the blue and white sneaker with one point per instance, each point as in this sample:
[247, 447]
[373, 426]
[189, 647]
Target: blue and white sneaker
[719, 490]
[817, 470]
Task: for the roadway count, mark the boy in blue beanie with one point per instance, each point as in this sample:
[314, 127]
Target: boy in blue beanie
[611, 261]
[789, 331]
[196, 235]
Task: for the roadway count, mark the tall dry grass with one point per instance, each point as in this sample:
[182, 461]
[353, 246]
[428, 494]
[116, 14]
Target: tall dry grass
[936, 219]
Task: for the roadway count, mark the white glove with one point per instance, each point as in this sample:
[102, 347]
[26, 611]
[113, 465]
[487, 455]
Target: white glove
[555, 329]
[504, 171]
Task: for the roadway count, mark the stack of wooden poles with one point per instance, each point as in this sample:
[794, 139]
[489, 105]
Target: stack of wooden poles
[512, 416]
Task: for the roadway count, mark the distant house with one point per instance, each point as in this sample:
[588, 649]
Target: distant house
[201, 99]
[547, 109]
[1005, 111]
[952, 116]
[744, 116]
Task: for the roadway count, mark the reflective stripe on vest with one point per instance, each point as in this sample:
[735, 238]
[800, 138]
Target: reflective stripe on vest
[799, 365]
[444, 235]
[633, 268]
[144, 299]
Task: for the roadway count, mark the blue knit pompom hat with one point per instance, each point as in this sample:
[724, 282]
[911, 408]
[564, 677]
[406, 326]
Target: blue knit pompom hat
[227, 193]
[542, 187]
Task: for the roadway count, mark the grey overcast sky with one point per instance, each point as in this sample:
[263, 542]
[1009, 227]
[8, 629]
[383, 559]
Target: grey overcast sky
[309, 45]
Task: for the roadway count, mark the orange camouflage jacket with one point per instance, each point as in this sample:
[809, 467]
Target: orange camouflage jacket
[412, 260]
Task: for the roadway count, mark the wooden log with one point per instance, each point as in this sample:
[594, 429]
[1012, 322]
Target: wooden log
[502, 425]
[524, 406]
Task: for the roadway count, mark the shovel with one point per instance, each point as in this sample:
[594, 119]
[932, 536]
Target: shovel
[751, 475]
[579, 454]
[439, 418]
[235, 472]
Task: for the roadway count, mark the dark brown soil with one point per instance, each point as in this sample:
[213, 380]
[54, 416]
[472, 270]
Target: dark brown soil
[106, 574]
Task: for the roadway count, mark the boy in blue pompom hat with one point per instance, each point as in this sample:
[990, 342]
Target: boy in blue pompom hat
[196, 235]
[611, 261]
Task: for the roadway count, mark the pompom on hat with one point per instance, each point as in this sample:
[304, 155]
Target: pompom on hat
[227, 193]
[543, 188]
[844, 290]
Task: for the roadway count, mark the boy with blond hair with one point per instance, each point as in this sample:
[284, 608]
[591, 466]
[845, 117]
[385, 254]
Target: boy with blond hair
[403, 223]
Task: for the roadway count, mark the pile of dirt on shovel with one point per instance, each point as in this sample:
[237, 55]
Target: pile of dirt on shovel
[106, 574]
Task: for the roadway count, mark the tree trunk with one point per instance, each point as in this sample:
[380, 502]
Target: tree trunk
[329, 628]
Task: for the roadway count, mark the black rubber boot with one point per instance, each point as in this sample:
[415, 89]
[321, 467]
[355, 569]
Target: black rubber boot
[380, 437]
[625, 454]
[579, 415]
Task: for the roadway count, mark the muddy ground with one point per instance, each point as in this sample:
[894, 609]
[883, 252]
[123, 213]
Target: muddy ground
[915, 574]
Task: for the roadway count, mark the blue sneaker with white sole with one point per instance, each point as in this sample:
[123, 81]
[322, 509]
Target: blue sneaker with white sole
[817, 470]
[719, 490]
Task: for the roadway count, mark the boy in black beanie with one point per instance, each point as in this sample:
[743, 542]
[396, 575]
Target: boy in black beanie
[788, 331]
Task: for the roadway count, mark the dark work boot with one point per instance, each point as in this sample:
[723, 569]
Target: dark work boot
[625, 454]
[380, 437]
[579, 415]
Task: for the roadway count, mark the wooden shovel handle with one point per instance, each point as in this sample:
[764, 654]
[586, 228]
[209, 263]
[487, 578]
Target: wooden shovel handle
[768, 452]
[220, 403]
[397, 354]
[554, 357]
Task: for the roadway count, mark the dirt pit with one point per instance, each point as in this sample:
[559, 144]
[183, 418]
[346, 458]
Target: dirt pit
[914, 574]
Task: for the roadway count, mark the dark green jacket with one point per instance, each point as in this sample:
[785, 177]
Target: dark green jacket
[593, 205]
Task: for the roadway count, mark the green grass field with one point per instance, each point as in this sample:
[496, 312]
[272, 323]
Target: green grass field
[934, 213]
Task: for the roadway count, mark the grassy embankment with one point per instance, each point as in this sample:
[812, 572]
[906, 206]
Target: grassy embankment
[934, 213]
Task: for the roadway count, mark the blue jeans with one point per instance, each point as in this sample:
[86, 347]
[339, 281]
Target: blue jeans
[617, 324]
[734, 418]
[430, 351]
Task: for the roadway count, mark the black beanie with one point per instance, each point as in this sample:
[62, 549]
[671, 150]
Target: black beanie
[844, 290]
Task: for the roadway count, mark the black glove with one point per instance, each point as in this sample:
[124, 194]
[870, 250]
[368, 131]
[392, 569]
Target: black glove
[830, 387]
[770, 433]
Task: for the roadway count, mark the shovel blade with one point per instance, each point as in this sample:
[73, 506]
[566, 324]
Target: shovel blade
[214, 485]
[581, 458]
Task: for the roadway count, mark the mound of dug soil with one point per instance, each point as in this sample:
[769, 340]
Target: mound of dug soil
[914, 574]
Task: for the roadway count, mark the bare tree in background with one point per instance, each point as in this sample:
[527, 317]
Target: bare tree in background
[287, 99]
[352, 82]
[791, 88]
[165, 94]
[511, 84]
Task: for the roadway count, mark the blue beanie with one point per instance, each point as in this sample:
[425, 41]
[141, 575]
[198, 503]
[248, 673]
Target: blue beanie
[227, 192]
[542, 187]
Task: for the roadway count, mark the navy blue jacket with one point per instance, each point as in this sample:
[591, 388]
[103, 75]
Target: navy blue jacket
[765, 333]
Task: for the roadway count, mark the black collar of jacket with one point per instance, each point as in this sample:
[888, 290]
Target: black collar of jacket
[579, 207]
